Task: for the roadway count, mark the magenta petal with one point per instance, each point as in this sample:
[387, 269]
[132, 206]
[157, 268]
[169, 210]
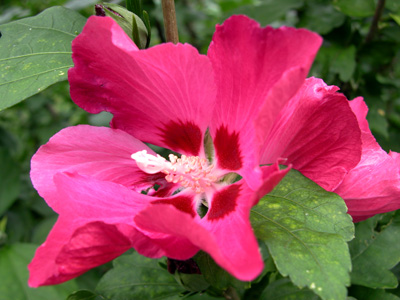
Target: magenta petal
[225, 232]
[373, 186]
[92, 200]
[257, 71]
[95, 226]
[317, 133]
[162, 95]
[74, 246]
[99, 152]
[168, 220]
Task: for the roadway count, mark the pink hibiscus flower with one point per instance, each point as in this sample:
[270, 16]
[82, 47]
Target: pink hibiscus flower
[112, 192]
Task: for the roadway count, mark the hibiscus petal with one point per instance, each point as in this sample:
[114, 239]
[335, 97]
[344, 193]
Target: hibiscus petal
[257, 71]
[373, 186]
[92, 200]
[74, 247]
[168, 220]
[100, 152]
[162, 95]
[95, 226]
[318, 134]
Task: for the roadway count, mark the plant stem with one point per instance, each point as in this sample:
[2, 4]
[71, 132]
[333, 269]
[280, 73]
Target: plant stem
[374, 25]
[171, 28]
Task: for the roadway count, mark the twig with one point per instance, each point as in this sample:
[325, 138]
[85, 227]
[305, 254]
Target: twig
[374, 25]
[171, 28]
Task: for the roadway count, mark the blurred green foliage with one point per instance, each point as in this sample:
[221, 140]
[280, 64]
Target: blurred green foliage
[359, 55]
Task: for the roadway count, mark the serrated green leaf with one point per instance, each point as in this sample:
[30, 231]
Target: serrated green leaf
[374, 253]
[268, 11]
[14, 276]
[364, 293]
[356, 8]
[306, 229]
[9, 180]
[36, 52]
[137, 277]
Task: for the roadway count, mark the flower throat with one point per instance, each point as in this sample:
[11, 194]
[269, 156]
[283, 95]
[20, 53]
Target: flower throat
[188, 171]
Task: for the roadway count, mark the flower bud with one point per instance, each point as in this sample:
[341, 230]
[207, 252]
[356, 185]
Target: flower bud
[129, 22]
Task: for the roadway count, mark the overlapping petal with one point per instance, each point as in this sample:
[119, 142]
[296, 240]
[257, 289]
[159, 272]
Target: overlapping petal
[162, 95]
[95, 226]
[224, 232]
[373, 186]
[257, 70]
[100, 152]
[317, 133]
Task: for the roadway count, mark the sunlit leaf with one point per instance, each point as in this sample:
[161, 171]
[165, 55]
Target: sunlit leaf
[306, 229]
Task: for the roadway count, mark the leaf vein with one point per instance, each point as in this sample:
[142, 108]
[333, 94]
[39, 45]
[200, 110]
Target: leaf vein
[37, 74]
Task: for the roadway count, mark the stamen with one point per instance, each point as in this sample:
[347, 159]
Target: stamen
[149, 163]
[188, 171]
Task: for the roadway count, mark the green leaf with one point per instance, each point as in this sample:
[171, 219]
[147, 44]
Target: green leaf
[284, 289]
[356, 8]
[14, 276]
[343, 62]
[137, 277]
[335, 59]
[9, 180]
[393, 5]
[374, 253]
[215, 275]
[396, 18]
[306, 229]
[314, 13]
[377, 120]
[364, 293]
[36, 52]
[268, 11]
[84, 295]
[41, 230]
